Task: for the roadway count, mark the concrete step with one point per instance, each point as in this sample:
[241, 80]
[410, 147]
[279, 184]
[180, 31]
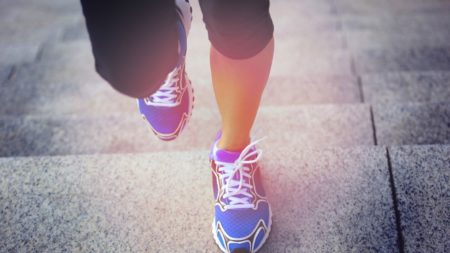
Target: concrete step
[360, 40]
[304, 27]
[297, 63]
[64, 81]
[320, 126]
[302, 8]
[401, 23]
[395, 60]
[5, 72]
[59, 89]
[383, 30]
[403, 87]
[409, 124]
[396, 7]
[397, 30]
[421, 178]
[294, 56]
[325, 125]
[330, 199]
[24, 25]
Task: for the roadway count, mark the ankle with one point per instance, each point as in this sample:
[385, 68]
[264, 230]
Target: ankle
[234, 145]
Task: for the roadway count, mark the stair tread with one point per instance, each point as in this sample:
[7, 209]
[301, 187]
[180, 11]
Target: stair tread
[150, 202]
[421, 175]
[403, 87]
[408, 59]
[413, 123]
[60, 88]
[321, 125]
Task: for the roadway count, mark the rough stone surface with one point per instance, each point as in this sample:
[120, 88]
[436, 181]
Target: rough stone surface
[408, 124]
[432, 86]
[64, 81]
[403, 24]
[71, 87]
[306, 25]
[59, 88]
[307, 43]
[5, 72]
[69, 204]
[26, 25]
[319, 126]
[391, 60]
[396, 7]
[359, 40]
[322, 89]
[14, 54]
[303, 8]
[297, 63]
[122, 203]
[77, 31]
[421, 176]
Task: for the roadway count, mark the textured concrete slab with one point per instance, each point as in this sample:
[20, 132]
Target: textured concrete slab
[52, 88]
[307, 43]
[330, 180]
[408, 124]
[36, 85]
[14, 54]
[359, 40]
[309, 25]
[432, 86]
[302, 8]
[70, 87]
[311, 90]
[26, 25]
[76, 31]
[392, 60]
[296, 63]
[121, 203]
[396, 7]
[320, 126]
[5, 72]
[142, 215]
[63, 7]
[401, 23]
[421, 176]
[64, 81]
[304, 27]
[293, 57]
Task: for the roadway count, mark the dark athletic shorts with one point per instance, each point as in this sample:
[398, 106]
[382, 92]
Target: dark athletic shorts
[135, 43]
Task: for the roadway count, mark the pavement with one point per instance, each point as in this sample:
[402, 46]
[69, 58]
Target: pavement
[356, 111]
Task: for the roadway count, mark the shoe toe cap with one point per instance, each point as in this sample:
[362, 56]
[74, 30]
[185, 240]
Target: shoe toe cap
[243, 223]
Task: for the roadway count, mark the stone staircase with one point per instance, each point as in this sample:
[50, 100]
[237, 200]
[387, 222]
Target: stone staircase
[357, 115]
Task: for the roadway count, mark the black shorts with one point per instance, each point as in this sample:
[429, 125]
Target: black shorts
[135, 43]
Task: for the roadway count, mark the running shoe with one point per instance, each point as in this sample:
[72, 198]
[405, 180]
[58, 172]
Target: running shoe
[242, 214]
[169, 109]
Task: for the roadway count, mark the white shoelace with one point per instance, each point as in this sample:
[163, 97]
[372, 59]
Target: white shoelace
[166, 96]
[237, 191]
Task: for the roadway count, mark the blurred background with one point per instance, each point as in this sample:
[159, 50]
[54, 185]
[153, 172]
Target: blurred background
[357, 114]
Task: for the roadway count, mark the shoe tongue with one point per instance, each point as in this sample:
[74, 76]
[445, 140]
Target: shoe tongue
[226, 156]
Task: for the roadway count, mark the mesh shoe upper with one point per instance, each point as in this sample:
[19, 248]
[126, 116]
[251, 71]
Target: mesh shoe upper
[242, 215]
[168, 121]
